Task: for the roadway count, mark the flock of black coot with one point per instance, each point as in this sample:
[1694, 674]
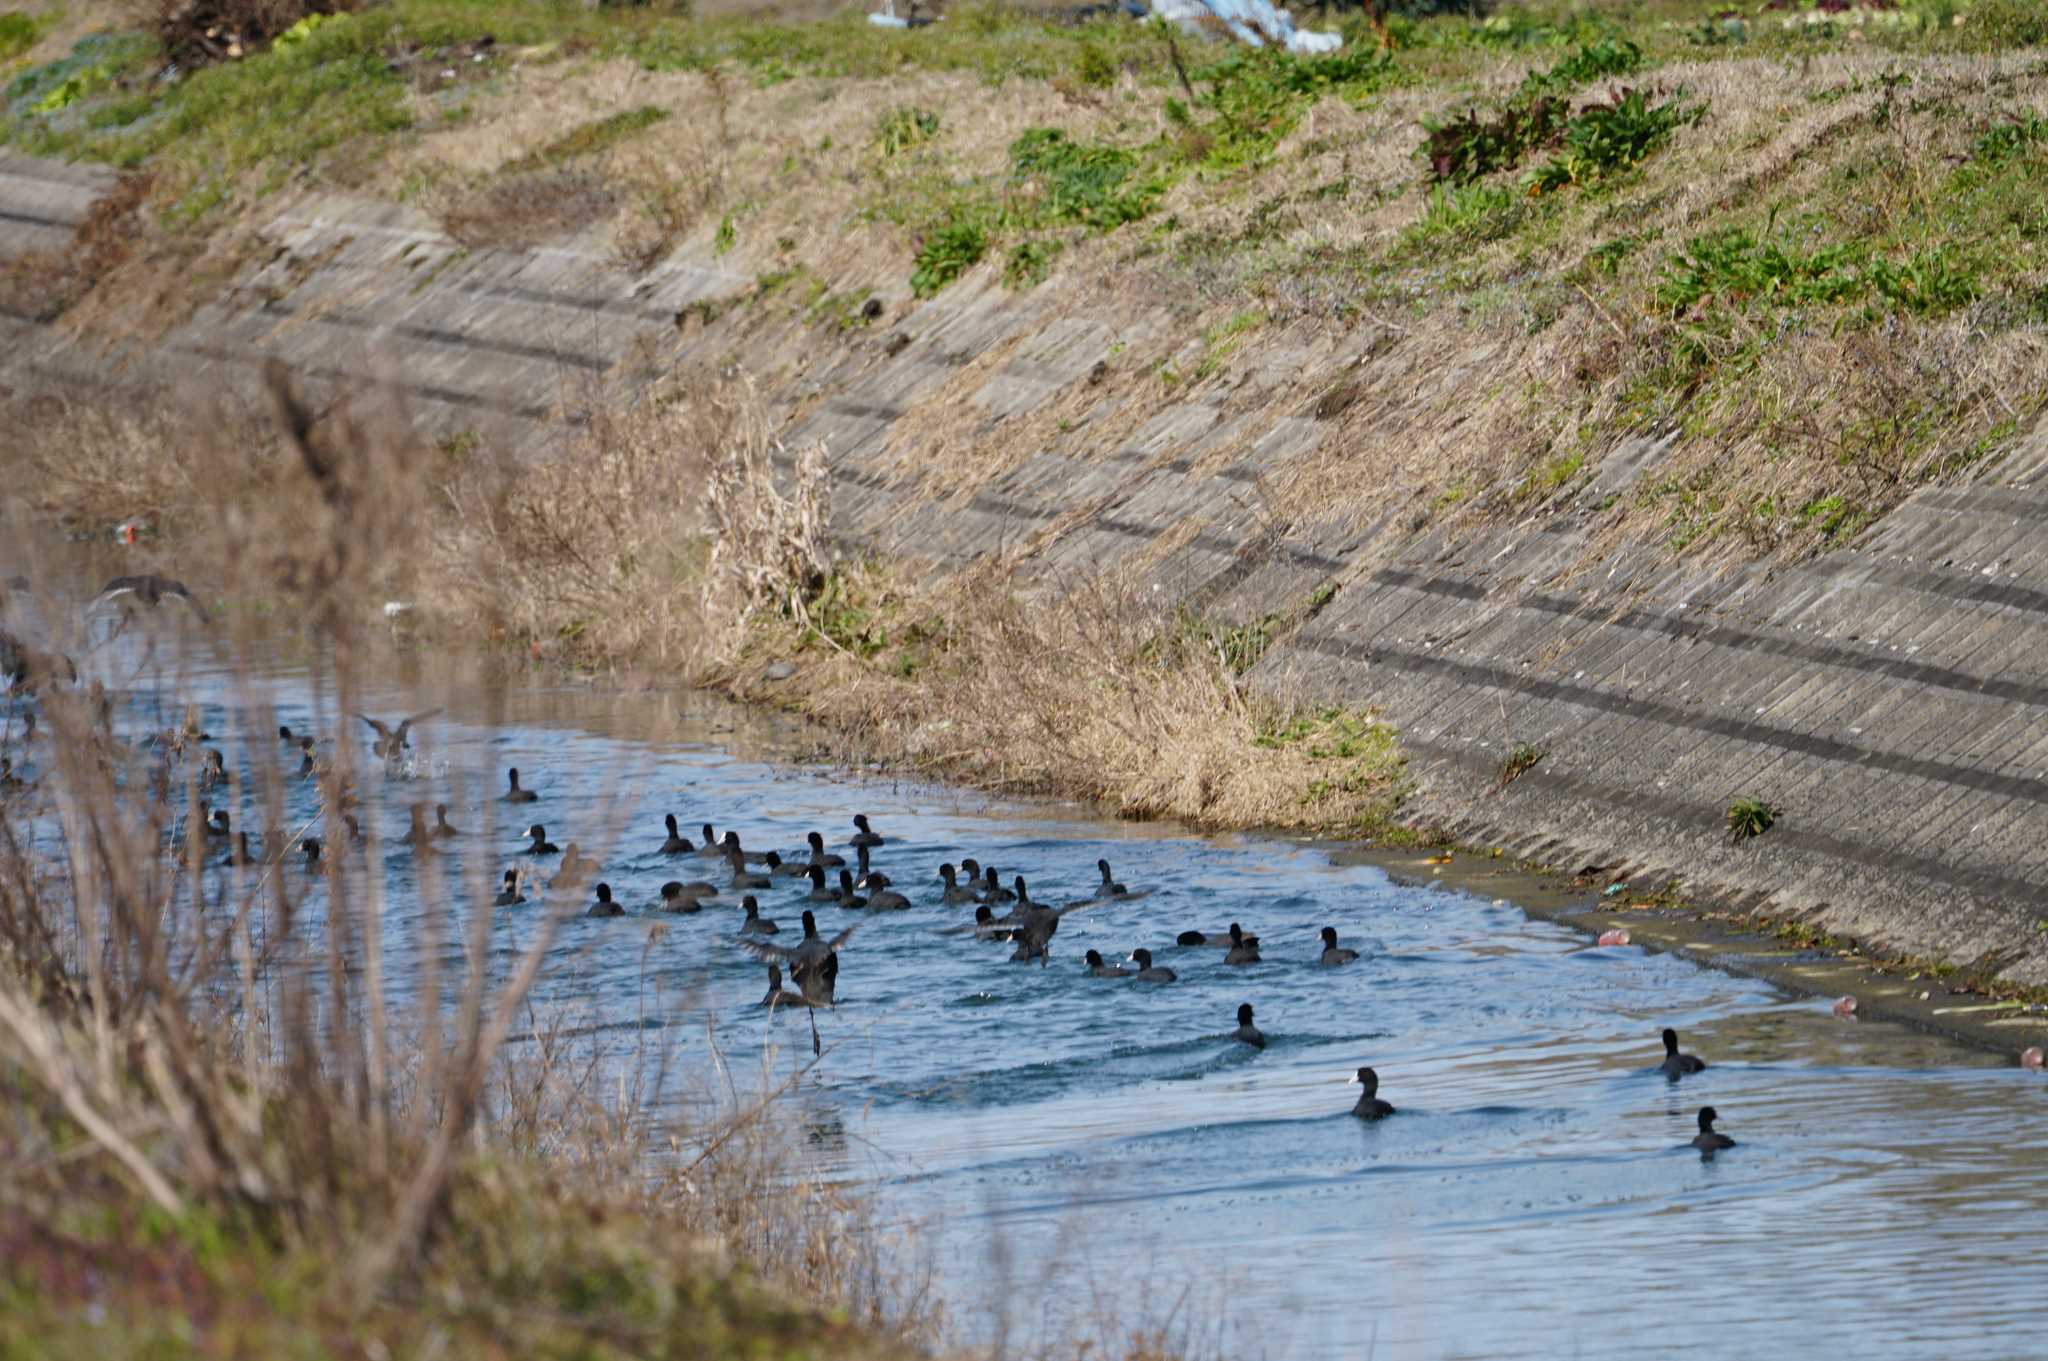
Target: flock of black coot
[818, 877]
[822, 877]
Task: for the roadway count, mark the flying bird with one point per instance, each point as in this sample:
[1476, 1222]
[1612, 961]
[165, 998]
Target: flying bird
[391, 742]
[147, 590]
[813, 962]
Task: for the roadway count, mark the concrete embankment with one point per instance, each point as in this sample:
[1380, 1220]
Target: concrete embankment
[1887, 698]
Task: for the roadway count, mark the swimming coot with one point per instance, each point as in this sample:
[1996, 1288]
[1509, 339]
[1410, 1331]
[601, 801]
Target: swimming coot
[865, 836]
[515, 794]
[1707, 1141]
[819, 856]
[539, 844]
[441, 828]
[1110, 888]
[756, 924]
[1098, 969]
[604, 906]
[731, 846]
[1246, 1032]
[883, 898]
[1244, 949]
[846, 897]
[509, 896]
[1677, 1065]
[1148, 972]
[677, 843]
[417, 836]
[742, 877]
[1369, 1106]
[955, 895]
[820, 892]
[779, 996]
[1334, 955]
[677, 896]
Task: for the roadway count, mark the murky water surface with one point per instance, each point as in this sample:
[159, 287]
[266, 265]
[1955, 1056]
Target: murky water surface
[1065, 1146]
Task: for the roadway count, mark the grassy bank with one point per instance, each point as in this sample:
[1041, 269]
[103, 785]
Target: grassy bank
[1800, 244]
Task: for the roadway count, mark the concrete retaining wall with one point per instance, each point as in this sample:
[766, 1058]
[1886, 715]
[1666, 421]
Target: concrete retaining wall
[1891, 698]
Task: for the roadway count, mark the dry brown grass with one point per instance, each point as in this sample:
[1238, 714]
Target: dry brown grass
[651, 539]
[43, 285]
[1080, 688]
[519, 212]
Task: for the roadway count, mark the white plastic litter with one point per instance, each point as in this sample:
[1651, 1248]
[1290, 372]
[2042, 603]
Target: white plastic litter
[1254, 22]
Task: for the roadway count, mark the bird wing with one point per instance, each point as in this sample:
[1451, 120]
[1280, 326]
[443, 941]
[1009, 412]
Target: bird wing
[121, 586]
[382, 731]
[406, 723]
[176, 589]
[774, 954]
[844, 936]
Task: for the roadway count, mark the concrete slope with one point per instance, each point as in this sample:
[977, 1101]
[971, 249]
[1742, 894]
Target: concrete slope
[1890, 698]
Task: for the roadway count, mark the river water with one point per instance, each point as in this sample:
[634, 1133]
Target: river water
[1062, 1148]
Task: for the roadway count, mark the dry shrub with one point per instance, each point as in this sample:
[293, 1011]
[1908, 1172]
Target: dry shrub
[768, 551]
[666, 199]
[195, 33]
[1080, 688]
[597, 548]
[521, 211]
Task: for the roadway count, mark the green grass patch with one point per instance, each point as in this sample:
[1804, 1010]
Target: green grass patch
[1030, 262]
[1749, 818]
[18, 33]
[1456, 216]
[1734, 270]
[948, 251]
[1521, 759]
[1063, 182]
[1604, 138]
[898, 130]
[1466, 147]
[1255, 96]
